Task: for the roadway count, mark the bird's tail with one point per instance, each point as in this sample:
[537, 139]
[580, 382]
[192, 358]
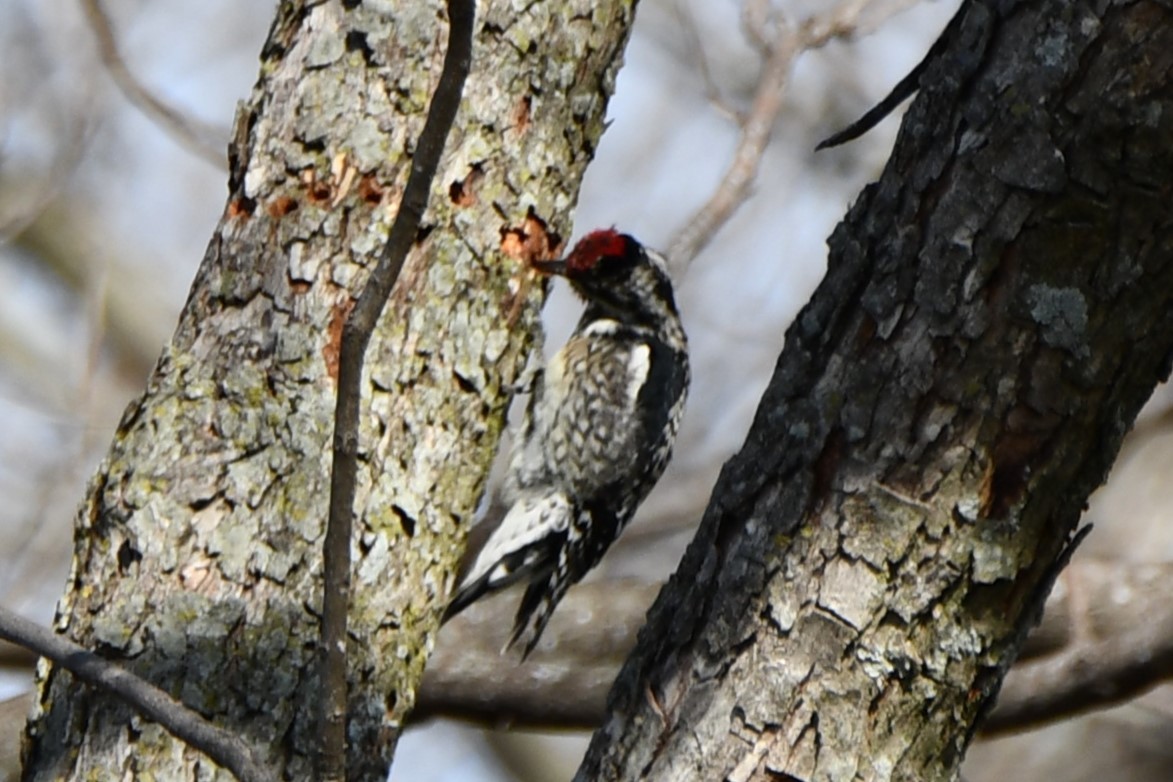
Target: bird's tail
[537, 606]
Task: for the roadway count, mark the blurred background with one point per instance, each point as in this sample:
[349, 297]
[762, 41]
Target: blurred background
[114, 118]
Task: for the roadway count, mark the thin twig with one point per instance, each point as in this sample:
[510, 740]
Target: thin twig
[222, 746]
[782, 51]
[200, 140]
[688, 28]
[767, 101]
[356, 335]
[900, 93]
[564, 684]
[758, 24]
[734, 188]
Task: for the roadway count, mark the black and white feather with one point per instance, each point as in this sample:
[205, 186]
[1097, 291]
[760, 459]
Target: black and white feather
[597, 433]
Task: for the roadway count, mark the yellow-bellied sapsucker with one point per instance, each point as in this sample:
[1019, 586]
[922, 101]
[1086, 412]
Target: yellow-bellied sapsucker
[597, 433]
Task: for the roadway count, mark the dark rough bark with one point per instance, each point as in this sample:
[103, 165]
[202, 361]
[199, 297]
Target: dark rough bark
[197, 550]
[996, 310]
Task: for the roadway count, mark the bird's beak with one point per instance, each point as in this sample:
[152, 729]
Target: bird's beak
[555, 266]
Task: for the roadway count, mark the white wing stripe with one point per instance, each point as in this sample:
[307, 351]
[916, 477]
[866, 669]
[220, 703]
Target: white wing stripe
[529, 520]
[603, 327]
[638, 366]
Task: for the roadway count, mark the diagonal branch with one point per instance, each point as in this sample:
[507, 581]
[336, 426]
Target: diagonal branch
[1110, 651]
[1090, 651]
[222, 746]
[189, 133]
[900, 93]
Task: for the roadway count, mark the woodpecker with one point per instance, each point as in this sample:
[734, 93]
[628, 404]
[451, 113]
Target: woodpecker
[597, 432]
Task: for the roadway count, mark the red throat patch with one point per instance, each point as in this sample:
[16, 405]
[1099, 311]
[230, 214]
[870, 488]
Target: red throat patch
[594, 246]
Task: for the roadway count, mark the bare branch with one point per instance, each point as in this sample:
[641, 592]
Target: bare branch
[900, 93]
[356, 335]
[735, 186]
[222, 746]
[562, 684]
[758, 24]
[202, 140]
[1111, 651]
[1064, 670]
[781, 52]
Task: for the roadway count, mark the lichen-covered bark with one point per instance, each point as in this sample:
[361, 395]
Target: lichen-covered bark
[996, 310]
[197, 559]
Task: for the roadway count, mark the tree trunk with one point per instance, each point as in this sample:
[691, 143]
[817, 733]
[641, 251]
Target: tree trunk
[197, 550]
[995, 312]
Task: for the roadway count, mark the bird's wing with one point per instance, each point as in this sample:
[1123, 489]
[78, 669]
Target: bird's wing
[521, 545]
